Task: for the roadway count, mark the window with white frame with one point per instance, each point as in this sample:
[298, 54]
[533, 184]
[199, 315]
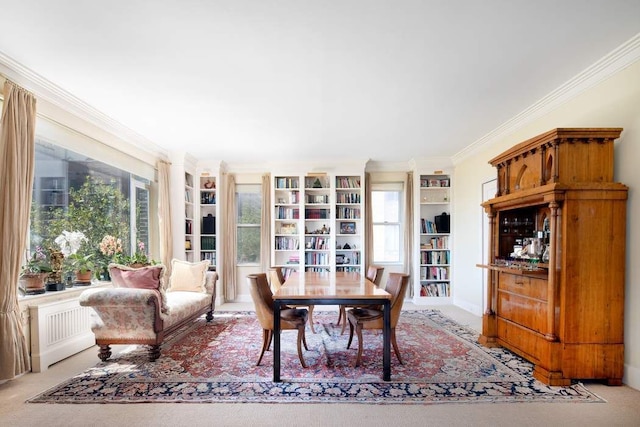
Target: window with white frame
[248, 210]
[75, 192]
[386, 209]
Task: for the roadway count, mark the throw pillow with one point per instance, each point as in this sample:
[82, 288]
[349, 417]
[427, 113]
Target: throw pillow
[148, 277]
[188, 276]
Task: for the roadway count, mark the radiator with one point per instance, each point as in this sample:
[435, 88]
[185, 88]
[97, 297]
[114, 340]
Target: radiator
[58, 330]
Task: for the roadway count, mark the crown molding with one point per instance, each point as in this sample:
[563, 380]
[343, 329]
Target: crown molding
[617, 60]
[47, 92]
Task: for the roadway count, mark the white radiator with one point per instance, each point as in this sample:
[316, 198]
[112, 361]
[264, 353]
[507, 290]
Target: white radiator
[58, 330]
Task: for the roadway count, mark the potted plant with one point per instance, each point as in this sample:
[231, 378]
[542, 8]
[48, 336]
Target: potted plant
[34, 272]
[83, 266]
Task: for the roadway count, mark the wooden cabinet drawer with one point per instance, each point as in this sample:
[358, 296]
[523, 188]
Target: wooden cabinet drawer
[523, 285]
[528, 312]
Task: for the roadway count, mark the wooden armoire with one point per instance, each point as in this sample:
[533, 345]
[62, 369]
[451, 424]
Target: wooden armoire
[556, 270]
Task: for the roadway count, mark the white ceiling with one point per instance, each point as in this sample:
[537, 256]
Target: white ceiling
[266, 80]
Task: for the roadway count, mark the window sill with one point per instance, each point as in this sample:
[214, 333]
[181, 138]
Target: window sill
[53, 296]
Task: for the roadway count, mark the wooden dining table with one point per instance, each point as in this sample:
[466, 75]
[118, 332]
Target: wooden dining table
[331, 288]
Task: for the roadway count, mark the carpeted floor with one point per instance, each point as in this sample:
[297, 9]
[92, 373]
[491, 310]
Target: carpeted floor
[215, 362]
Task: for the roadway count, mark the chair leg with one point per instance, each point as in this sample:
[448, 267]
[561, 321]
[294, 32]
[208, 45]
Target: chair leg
[341, 313]
[300, 338]
[304, 339]
[359, 332]
[313, 331]
[270, 340]
[350, 335]
[395, 345]
[266, 339]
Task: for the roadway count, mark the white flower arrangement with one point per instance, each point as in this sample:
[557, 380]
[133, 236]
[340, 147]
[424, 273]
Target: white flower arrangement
[70, 241]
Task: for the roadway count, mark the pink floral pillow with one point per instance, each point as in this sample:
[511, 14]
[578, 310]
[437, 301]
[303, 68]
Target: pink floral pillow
[149, 277]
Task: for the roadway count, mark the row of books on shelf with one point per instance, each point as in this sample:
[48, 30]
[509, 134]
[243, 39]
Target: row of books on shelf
[187, 196]
[347, 213]
[434, 273]
[317, 198]
[317, 242]
[348, 269]
[348, 198]
[287, 182]
[317, 213]
[434, 257]
[287, 213]
[347, 182]
[291, 198]
[211, 256]
[441, 242]
[427, 226]
[442, 289]
[287, 243]
[316, 258]
[208, 243]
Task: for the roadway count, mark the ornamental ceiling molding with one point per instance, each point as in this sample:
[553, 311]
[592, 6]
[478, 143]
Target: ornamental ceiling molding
[617, 60]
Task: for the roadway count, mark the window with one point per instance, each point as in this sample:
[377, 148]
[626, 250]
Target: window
[386, 206]
[248, 210]
[75, 192]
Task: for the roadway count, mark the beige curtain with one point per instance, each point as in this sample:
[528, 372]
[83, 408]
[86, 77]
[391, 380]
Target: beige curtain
[265, 224]
[164, 215]
[368, 223]
[408, 229]
[17, 148]
[230, 237]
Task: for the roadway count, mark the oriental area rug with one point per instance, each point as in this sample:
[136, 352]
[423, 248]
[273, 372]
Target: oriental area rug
[215, 362]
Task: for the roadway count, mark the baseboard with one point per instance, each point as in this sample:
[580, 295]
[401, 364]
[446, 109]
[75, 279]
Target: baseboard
[631, 376]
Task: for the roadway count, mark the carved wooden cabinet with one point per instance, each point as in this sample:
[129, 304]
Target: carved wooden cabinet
[556, 269]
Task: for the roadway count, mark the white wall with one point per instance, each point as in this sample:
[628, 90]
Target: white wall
[612, 103]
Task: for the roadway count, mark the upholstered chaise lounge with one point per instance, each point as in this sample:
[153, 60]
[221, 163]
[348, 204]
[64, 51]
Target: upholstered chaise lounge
[142, 309]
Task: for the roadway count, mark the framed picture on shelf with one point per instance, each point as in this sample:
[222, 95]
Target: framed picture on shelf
[348, 227]
[288, 228]
[339, 259]
[434, 183]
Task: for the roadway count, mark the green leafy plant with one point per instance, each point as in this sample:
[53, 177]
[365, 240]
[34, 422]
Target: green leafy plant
[81, 263]
[37, 263]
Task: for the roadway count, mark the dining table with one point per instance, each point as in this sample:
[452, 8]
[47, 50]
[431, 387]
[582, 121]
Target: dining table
[331, 288]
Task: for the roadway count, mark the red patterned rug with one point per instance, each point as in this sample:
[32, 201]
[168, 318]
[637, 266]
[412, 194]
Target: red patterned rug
[215, 362]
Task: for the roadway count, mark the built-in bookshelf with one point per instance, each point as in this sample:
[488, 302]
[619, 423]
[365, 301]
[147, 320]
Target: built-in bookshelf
[207, 217]
[434, 225]
[349, 226]
[189, 210]
[317, 222]
[286, 227]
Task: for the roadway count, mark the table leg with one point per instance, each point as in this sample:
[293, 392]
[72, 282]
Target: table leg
[276, 340]
[386, 341]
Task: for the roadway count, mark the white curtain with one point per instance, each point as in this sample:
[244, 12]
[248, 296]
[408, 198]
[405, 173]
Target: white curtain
[368, 221]
[265, 224]
[164, 214]
[230, 237]
[17, 151]
[408, 228]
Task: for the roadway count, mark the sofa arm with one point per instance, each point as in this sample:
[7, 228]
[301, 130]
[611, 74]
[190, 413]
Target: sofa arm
[128, 308]
[210, 284]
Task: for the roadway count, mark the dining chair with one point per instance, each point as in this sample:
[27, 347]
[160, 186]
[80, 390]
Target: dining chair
[374, 273]
[369, 318]
[277, 280]
[292, 318]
